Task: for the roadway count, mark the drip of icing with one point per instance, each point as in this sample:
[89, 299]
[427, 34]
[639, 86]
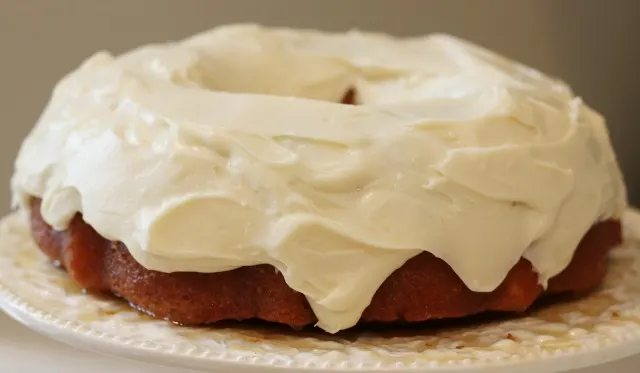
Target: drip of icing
[229, 149]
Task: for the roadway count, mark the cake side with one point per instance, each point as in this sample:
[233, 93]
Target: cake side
[424, 288]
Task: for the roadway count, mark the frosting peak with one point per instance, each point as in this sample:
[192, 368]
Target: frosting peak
[229, 149]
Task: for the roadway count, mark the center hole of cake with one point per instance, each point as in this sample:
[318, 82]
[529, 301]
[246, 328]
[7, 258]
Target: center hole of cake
[350, 97]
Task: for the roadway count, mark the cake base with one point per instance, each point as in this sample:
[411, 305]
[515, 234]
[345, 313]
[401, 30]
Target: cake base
[568, 335]
[424, 288]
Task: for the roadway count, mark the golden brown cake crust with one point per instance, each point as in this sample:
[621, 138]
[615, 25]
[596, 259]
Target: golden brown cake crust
[424, 288]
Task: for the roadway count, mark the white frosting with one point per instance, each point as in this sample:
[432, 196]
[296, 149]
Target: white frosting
[229, 149]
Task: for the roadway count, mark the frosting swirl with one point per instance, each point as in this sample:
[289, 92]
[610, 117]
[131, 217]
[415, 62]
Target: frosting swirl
[229, 149]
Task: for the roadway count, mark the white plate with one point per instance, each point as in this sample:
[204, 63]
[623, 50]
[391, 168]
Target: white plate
[22, 350]
[602, 327]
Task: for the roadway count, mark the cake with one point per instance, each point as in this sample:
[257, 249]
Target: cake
[310, 178]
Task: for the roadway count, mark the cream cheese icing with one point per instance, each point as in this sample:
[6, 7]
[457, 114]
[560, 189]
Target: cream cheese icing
[230, 149]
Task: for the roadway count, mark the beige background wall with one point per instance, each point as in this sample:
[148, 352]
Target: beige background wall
[595, 45]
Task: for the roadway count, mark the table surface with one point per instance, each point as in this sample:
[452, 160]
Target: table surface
[22, 350]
